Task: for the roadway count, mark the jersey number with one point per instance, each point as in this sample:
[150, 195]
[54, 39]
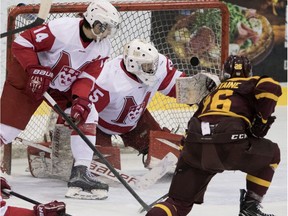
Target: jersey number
[219, 101]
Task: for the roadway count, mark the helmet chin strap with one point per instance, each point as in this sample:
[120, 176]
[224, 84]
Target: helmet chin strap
[97, 35]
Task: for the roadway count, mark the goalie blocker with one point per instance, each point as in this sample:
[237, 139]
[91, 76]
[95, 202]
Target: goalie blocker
[54, 159]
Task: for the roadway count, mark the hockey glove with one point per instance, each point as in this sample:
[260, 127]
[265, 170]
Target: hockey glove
[260, 129]
[54, 208]
[4, 185]
[210, 84]
[80, 110]
[39, 79]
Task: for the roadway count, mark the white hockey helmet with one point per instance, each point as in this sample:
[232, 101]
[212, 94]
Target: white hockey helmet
[141, 58]
[102, 11]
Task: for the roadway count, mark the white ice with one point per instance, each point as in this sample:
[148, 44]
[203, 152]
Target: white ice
[222, 196]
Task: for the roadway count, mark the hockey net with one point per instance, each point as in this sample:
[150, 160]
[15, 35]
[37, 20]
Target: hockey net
[169, 25]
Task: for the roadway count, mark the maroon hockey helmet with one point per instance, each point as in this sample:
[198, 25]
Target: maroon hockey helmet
[237, 66]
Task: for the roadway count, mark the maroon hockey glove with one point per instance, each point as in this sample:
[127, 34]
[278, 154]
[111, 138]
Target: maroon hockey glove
[54, 208]
[4, 185]
[38, 81]
[80, 110]
[260, 129]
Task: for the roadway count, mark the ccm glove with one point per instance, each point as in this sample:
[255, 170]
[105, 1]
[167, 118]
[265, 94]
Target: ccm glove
[210, 84]
[39, 79]
[260, 129]
[80, 110]
[54, 208]
[4, 185]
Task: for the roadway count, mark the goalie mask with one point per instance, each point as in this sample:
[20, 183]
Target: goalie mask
[104, 13]
[141, 58]
[237, 66]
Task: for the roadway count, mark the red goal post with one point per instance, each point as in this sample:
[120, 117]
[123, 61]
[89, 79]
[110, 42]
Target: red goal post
[169, 25]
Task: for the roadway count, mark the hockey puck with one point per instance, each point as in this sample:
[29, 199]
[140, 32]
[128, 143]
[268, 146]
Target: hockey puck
[194, 61]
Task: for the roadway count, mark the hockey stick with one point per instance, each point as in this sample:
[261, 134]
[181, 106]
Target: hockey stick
[153, 203]
[10, 192]
[88, 142]
[44, 9]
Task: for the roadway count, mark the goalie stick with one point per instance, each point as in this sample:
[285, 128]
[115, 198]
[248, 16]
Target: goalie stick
[88, 142]
[10, 192]
[44, 9]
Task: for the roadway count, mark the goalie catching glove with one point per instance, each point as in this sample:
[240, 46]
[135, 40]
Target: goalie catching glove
[80, 110]
[53, 208]
[260, 127]
[39, 79]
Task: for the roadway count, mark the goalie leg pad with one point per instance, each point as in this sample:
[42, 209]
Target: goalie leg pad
[160, 144]
[39, 161]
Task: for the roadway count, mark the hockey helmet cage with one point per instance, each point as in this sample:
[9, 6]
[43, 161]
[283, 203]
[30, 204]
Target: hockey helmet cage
[102, 11]
[237, 66]
[141, 58]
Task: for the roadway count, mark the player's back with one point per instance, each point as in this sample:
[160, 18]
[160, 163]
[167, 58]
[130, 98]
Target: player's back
[234, 97]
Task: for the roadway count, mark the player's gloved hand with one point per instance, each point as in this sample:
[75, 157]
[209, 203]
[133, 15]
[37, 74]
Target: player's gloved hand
[210, 84]
[4, 185]
[39, 79]
[53, 208]
[260, 129]
[80, 110]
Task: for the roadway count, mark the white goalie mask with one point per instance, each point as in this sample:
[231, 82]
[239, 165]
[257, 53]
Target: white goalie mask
[103, 12]
[141, 58]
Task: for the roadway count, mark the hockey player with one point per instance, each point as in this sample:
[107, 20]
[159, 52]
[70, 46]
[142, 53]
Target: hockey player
[123, 90]
[53, 208]
[227, 133]
[51, 58]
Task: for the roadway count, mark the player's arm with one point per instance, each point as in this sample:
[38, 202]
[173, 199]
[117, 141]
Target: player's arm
[167, 86]
[82, 88]
[31, 41]
[267, 93]
[25, 49]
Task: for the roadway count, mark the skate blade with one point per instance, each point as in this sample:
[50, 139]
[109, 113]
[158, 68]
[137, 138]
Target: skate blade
[78, 193]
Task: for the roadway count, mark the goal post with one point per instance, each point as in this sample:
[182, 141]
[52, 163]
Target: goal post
[179, 29]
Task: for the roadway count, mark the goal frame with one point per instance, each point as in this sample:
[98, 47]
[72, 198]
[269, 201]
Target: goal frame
[80, 7]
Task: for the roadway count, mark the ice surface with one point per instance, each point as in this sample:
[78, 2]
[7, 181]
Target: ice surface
[222, 196]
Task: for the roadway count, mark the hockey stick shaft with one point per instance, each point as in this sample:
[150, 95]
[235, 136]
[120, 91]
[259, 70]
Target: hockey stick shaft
[155, 202]
[9, 192]
[88, 142]
[44, 9]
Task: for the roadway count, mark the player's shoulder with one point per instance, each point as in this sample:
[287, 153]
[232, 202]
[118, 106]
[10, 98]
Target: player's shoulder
[65, 21]
[162, 59]
[114, 63]
[111, 68]
[64, 24]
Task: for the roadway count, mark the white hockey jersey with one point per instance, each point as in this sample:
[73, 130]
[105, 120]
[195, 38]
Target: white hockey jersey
[120, 98]
[58, 45]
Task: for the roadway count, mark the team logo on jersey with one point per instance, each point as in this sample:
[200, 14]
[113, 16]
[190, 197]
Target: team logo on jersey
[67, 75]
[131, 111]
[135, 112]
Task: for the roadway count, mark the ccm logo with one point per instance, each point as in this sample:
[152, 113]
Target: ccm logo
[238, 136]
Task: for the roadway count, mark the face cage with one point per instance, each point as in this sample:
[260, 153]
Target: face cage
[149, 68]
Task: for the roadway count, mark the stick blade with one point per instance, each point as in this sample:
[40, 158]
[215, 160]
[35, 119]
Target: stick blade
[45, 6]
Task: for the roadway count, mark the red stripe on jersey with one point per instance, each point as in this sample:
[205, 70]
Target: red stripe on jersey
[114, 128]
